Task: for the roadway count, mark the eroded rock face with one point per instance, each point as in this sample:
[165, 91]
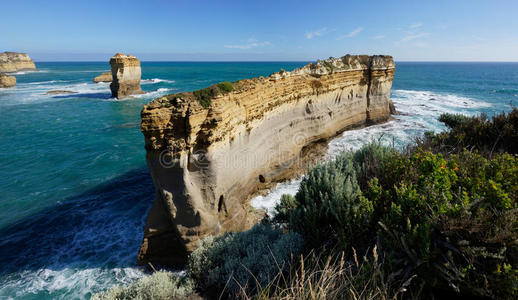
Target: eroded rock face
[206, 162]
[125, 76]
[104, 77]
[7, 81]
[14, 62]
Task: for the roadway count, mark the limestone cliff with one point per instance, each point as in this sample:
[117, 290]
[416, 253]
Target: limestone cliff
[7, 81]
[208, 151]
[14, 62]
[104, 77]
[125, 76]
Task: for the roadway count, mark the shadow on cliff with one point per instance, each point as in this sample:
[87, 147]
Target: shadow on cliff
[99, 228]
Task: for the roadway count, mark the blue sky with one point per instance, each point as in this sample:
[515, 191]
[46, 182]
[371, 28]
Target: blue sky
[454, 30]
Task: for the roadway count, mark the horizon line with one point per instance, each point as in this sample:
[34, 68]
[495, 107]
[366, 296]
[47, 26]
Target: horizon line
[289, 61]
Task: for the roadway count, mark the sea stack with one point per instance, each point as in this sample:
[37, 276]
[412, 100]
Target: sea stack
[7, 81]
[104, 77]
[14, 62]
[211, 150]
[125, 76]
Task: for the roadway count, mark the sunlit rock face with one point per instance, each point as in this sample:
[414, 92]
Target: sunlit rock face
[7, 81]
[207, 161]
[14, 62]
[103, 77]
[126, 74]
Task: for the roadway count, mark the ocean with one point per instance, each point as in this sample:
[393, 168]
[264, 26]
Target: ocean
[74, 186]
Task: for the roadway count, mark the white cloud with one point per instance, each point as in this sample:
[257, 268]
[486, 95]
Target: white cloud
[318, 32]
[413, 33]
[378, 37]
[251, 43]
[416, 25]
[351, 34]
[413, 36]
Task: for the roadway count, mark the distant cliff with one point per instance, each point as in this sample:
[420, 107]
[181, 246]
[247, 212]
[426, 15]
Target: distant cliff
[13, 62]
[210, 150]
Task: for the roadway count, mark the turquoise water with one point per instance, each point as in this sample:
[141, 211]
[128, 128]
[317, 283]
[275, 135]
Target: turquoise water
[74, 187]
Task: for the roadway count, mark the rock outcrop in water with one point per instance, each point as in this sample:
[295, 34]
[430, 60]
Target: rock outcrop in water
[209, 151]
[104, 77]
[7, 81]
[126, 74]
[14, 62]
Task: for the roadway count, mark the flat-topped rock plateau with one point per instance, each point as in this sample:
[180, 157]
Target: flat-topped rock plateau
[14, 62]
[126, 74]
[209, 151]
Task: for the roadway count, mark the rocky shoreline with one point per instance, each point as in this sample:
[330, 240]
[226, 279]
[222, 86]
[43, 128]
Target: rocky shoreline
[210, 150]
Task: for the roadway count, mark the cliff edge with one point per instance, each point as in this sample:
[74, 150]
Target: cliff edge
[14, 62]
[210, 150]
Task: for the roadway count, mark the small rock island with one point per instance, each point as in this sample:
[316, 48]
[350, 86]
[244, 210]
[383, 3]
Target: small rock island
[209, 151]
[103, 77]
[126, 74]
[14, 62]
[7, 81]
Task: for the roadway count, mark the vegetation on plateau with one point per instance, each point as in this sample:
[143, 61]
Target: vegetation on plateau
[438, 219]
[205, 96]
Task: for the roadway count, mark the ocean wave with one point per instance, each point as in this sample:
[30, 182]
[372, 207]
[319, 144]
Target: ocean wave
[44, 82]
[419, 112]
[69, 283]
[155, 80]
[27, 72]
[158, 92]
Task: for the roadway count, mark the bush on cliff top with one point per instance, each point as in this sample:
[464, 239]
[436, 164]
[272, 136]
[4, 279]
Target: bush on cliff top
[450, 219]
[160, 285]
[487, 135]
[204, 96]
[244, 261]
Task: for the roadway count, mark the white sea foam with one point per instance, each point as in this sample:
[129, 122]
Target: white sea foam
[76, 282]
[419, 112]
[155, 80]
[27, 72]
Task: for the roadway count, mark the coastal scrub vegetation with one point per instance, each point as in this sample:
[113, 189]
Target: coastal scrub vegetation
[438, 219]
[204, 96]
[160, 285]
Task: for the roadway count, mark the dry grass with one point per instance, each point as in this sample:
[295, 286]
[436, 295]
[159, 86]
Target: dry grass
[315, 277]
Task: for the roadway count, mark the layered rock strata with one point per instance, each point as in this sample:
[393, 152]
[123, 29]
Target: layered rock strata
[14, 62]
[7, 81]
[126, 74]
[210, 150]
[104, 77]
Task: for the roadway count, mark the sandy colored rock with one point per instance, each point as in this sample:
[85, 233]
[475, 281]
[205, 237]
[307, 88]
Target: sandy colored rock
[7, 81]
[104, 77]
[14, 62]
[207, 162]
[57, 92]
[126, 74]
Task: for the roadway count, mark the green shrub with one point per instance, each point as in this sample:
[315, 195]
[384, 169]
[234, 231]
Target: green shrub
[329, 208]
[158, 286]
[433, 214]
[488, 136]
[454, 120]
[225, 87]
[205, 96]
[242, 261]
